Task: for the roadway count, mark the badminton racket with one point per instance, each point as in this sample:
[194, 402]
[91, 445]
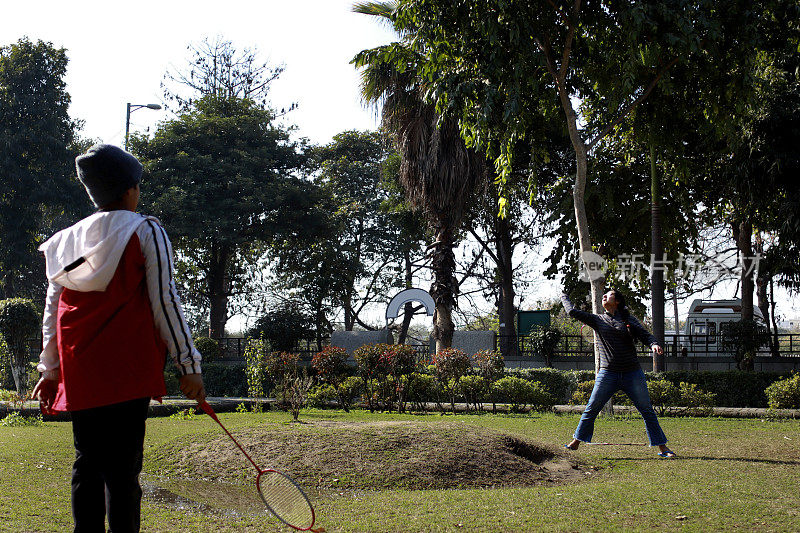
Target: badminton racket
[282, 496]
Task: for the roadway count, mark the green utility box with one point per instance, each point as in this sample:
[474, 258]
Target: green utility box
[527, 319]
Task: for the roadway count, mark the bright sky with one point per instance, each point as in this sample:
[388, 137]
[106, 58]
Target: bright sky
[119, 51]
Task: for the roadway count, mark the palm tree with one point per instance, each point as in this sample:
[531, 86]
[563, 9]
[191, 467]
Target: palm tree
[438, 172]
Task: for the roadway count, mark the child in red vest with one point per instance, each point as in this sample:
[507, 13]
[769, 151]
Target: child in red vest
[111, 316]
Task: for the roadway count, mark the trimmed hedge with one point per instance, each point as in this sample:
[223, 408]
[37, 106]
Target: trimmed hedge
[733, 388]
[219, 380]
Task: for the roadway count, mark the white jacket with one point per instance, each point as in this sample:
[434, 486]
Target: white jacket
[84, 258]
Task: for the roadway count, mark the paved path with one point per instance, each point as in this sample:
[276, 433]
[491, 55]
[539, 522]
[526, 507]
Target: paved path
[171, 405]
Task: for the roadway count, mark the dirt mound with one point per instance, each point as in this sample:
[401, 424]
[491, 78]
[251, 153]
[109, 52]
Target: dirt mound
[382, 455]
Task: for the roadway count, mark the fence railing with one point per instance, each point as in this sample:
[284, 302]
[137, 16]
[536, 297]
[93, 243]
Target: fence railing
[680, 345]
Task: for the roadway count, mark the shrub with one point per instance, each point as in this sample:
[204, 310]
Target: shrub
[226, 380]
[423, 388]
[15, 419]
[694, 401]
[733, 388]
[256, 352]
[368, 358]
[583, 392]
[172, 383]
[283, 369]
[6, 379]
[519, 392]
[663, 394]
[450, 364]
[785, 393]
[331, 366]
[19, 321]
[208, 348]
[474, 389]
[559, 383]
[322, 395]
[490, 364]
[398, 361]
[349, 391]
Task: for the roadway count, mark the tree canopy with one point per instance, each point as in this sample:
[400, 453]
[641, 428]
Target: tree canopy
[224, 179]
[37, 151]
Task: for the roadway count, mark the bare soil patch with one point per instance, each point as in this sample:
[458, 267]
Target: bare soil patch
[382, 455]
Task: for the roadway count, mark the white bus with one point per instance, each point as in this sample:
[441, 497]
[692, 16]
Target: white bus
[704, 321]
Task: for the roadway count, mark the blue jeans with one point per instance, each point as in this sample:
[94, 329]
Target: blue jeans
[635, 386]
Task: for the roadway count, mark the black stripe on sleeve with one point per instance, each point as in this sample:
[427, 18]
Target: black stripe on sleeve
[161, 288]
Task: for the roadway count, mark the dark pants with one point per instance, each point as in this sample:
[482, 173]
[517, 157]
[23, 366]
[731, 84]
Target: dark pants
[109, 442]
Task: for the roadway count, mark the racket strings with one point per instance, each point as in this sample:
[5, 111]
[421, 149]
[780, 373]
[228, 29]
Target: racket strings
[285, 500]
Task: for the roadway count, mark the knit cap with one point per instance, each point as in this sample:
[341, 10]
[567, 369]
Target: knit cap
[106, 172]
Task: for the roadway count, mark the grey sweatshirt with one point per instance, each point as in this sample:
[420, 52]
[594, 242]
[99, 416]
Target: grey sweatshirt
[617, 348]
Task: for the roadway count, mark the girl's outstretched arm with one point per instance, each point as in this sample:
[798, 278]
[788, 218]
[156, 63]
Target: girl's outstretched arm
[590, 319]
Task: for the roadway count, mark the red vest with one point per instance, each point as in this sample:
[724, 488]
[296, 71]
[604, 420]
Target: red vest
[108, 345]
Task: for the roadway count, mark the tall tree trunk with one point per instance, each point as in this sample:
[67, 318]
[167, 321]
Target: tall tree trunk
[657, 250]
[408, 308]
[505, 267]
[776, 352]
[349, 316]
[444, 288]
[762, 284]
[677, 321]
[744, 243]
[218, 289]
[596, 280]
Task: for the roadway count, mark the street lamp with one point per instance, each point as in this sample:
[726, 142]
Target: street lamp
[134, 107]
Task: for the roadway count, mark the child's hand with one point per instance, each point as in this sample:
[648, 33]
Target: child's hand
[45, 391]
[192, 387]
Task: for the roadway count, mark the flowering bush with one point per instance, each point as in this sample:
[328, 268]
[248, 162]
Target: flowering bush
[331, 366]
[450, 364]
[368, 358]
[490, 364]
[491, 367]
[385, 371]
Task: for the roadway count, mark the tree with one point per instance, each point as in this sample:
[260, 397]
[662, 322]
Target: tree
[222, 177]
[365, 250]
[283, 328]
[217, 68]
[365, 241]
[19, 321]
[501, 66]
[438, 171]
[37, 169]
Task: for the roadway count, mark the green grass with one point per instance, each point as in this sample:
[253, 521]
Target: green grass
[732, 475]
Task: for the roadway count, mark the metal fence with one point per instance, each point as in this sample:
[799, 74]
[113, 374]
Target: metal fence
[680, 345]
[232, 348]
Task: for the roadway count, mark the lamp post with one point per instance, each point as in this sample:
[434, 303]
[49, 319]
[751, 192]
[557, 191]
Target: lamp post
[134, 107]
